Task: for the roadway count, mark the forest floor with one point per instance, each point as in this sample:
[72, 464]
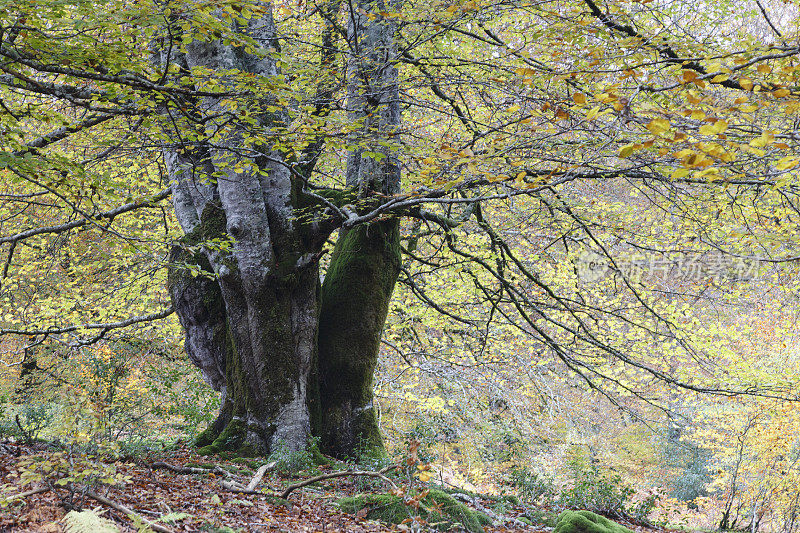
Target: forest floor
[198, 501]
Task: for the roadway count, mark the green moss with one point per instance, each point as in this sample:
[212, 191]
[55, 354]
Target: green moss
[508, 498]
[231, 438]
[587, 522]
[436, 508]
[354, 301]
[280, 502]
[206, 437]
[542, 517]
[195, 464]
[253, 464]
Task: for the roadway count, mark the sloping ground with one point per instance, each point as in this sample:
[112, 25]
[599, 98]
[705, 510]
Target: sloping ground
[193, 501]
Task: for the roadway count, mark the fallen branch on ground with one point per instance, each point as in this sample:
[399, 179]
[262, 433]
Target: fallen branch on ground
[251, 487]
[259, 474]
[189, 469]
[105, 501]
[28, 493]
[380, 474]
[127, 512]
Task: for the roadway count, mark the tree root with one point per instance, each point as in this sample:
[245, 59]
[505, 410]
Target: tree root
[190, 469]
[380, 474]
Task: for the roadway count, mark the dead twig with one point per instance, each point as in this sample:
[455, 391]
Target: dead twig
[259, 474]
[380, 474]
[28, 493]
[127, 512]
[233, 486]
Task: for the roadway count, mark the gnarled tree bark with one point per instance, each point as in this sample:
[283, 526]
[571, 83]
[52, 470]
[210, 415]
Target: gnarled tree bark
[290, 358]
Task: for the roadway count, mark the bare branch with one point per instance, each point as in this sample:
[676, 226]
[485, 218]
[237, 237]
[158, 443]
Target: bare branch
[110, 215]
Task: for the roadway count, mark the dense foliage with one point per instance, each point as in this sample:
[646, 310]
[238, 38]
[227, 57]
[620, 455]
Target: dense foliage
[598, 215]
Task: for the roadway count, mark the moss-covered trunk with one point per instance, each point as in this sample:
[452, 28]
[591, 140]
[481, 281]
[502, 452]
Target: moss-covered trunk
[198, 302]
[355, 300]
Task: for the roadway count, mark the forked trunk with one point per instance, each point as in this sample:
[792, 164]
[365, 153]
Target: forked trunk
[245, 280]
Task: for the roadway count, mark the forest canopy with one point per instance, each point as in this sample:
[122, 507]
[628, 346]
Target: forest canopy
[526, 229]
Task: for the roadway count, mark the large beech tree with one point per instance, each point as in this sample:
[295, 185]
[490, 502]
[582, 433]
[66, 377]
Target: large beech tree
[290, 358]
[531, 133]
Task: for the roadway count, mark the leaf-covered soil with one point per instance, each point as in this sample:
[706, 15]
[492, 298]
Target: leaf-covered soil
[199, 502]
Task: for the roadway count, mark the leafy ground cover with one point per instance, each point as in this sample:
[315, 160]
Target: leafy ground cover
[195, 495]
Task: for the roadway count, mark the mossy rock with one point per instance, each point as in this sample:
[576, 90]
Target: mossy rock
[510, 498]
[437, 507]
[587, 522]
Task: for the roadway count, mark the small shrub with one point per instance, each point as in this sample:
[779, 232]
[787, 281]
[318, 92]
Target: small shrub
[71, 472]
[641, 510]
[290, 462]
[596, 491]
[27, 421]
[532, 486]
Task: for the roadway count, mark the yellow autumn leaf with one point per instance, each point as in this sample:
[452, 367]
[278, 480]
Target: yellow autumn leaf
[715, 128]
[746, 84]
[592, 114]
[762, 140]
[781, 93]
[681, 173]
[579, 98]
[657, 126]
[683, 153]
[786, 163]
[627, 150]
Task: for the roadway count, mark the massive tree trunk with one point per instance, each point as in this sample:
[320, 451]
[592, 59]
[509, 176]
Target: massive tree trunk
[245, 279]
